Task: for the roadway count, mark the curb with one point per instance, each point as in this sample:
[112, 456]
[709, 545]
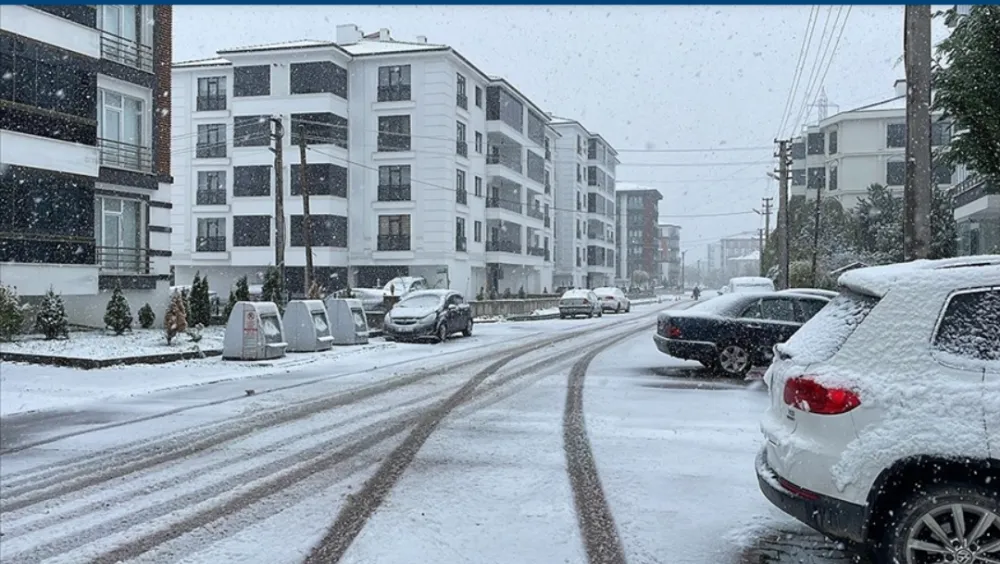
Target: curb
[94, 363]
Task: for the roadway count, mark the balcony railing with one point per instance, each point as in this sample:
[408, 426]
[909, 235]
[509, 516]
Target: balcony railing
[548, 257]
[504, 246]
[536, 251]
[972, 189]
[394, 93]
[126, 51]
[125, 155]
[536, 213]
[497, 202]
[393, 242]
[548, 187]
[211, 103]
[548, 154]
[393, 192]
[215, 244]
[460, 244]
[462, 100]
[123, 259]
[548, 221]
[462, 148]
[210, 198]
[462, 196]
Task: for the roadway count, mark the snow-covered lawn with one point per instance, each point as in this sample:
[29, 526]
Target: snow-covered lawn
[105, 345]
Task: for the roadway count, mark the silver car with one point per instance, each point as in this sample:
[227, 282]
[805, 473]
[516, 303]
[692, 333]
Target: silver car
[579, 302]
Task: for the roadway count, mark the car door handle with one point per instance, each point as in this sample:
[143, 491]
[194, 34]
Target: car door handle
[754, 325]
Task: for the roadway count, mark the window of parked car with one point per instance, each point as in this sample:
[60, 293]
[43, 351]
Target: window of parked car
[774, 309]
[810, 308]
[824, 335]
[970, 326]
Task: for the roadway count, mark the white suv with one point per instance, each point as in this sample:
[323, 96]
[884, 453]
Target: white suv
[884, 423]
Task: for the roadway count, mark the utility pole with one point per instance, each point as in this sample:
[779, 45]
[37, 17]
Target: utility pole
[917, 193]
[783, 229]
[760, 253]
[279, 199]
[816, 226]
[767, 221]
[306, 218]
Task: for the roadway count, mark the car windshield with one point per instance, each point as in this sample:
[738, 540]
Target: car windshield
[420, 302]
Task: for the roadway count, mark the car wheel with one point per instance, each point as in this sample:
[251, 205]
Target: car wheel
[442, 332]
[600, 313]
[950, 523]
[734, 361]
[618, 308]
[468, 328]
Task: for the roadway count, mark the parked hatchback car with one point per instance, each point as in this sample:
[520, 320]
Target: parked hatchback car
[735, 332]
[579, 302]
[884, 421]
[613, 299]
[429, 314]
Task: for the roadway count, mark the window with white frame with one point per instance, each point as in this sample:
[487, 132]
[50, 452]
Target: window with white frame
[126, 38]
[118, 230]
[123, 139]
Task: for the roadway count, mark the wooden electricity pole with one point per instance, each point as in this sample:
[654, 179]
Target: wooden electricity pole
[306, 219]
[917, 193]
[767, 221]
[279, 199]
[816, 226]
[783, 227]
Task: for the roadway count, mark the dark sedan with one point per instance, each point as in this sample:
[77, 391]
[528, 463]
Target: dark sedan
[735, 332]
[433, 314]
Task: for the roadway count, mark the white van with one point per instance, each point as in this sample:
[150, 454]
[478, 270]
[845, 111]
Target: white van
[749, 284]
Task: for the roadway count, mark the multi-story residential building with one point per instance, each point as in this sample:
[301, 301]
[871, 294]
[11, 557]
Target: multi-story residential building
[845, 153]
[585, 187]
[85, 154]
[398, 135]
[977, 212]
[739, 256]
[669, 254]
[637, 218]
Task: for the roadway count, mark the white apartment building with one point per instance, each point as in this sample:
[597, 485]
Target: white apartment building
[85, 154]
[398, 134]
[845, 153]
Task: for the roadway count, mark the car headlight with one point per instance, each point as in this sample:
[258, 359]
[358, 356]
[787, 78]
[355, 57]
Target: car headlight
[429, 318]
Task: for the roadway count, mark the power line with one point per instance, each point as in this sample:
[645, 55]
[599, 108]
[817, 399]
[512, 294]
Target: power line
[799, 67]
[692, 150]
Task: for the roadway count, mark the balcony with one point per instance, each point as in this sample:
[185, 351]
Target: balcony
[548, 257]
[548, 221]
[510, 205]
[123, 260]
[394, 242]
[210, 198]
[393, 192]
[462, 101]
[462, 196]
[212, 103]
[126, 51]
[394, 93]
[503, 247]
[536, 251]
[536, 213]
[215, 244]
[116, 154]
[462, 148]
[460, 243]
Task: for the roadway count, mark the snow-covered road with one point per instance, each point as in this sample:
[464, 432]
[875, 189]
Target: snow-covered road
[577, 442]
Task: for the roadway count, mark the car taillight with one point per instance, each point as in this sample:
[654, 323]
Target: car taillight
[805, 394]
[608, 298]
[673, 332]
[586, 302]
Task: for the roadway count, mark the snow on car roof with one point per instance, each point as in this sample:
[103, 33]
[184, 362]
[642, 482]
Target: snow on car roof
[575, 292]
[750, 280]
[607, 290]
[877, 280]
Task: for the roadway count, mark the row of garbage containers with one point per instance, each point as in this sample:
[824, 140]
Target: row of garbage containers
[258, 330]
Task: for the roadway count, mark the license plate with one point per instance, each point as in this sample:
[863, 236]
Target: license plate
[405, 329]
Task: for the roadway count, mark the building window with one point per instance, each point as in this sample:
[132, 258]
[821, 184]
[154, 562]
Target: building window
[322, 128]
[118, 230]
[479, 142]
[211, 188]
[122, 136]
[324, 179]
[798, 150]
[503, 106]
[251, 231]
[799, 177]
[817, 178]
[832, 183]
[461, 145]
[460, 243]
[940, 133]
[477, 231]
[833, 142]
[251, 131]
[478, 183]
[461, 194]
[536, 128]
[815, 144]
[592, 176]
[942, 174]
[251, 181]
[393, 133]
[393, 83]
[460, 96]
[536, 167]
[211, 141]
[211, 94]
[548, 149]
[479, 97]
[394, 183]
[895, 135]
[895, 173]
[47, 202]
[252, 81]
[211, 235]
[592, 149]
[318, 77]
[394, 233]
[30, 69]
[324, 231]
[123, 40]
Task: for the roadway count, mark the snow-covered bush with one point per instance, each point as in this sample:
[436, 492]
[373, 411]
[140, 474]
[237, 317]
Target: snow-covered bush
[200, 303]
[118, 315]
[51, 319]
[195, 332]
[146, 316]
[175, 320]
[272, 290]
[11, 313]
[239, 294]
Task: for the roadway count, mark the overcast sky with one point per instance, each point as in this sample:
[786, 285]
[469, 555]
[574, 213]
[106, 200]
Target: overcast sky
[644, 77]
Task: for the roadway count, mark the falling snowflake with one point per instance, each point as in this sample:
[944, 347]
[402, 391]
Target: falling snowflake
[8, 75]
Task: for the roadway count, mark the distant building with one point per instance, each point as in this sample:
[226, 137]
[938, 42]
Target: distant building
[669, 254]
[739, 256]
[638, 233]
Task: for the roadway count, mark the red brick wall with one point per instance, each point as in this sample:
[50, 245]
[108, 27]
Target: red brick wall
[163, 16]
